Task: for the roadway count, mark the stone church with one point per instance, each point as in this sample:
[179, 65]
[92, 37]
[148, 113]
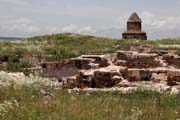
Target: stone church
[134, 26]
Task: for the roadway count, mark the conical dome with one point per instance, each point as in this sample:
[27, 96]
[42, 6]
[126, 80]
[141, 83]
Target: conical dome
[134, 18]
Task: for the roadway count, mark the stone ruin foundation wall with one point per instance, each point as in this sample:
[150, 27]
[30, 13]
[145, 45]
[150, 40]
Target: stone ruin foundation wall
[124, 70]
[172, 60]
[174, 77]
[89, 61]
[139, 36]
[137, 60]
[131, 66]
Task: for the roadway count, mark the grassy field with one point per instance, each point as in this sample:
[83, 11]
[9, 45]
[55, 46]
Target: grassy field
[63, 46]
[29, 103]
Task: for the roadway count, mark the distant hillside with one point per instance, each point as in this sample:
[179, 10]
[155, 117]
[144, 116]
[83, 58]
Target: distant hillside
[10, 38]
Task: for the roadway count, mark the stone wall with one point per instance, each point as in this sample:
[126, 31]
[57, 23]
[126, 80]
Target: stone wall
[101, 78]
[121, 69]
[137, 60]
[54, 65]
[132, 35]
[174, 77]
[82, 63]
[90, 61]
[172, 60]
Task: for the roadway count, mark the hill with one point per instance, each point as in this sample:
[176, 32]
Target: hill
[76, 44]
[55, 47]
[10, 38]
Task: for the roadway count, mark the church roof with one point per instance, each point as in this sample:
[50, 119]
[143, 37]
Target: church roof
[134, 18]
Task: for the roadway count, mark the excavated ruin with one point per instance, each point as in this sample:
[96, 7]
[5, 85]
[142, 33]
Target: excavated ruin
[140, 66]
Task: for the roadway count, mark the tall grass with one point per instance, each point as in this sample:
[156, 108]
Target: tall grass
[139, 105]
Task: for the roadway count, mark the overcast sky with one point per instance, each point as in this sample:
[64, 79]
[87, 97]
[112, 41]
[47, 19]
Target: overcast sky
[25, 18]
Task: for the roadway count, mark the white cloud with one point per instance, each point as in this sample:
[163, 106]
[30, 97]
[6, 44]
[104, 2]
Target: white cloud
[26, 27]
[18, 26]
[121, 21]
[178, 1]
[155, 21]
[15, 2]
[87, 29]
[70, 28]
[76, 29]
[156, 26]
[161, 26]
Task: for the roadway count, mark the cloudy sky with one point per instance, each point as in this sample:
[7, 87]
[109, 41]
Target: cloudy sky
[25, 18]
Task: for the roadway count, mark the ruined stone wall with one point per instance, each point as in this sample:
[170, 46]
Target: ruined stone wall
[54, 65]
[172, 60]
[81, 63]
[101, 60]
[89, 61]
[173, 77]
[101, 78]
[126, 69]
[137, 60]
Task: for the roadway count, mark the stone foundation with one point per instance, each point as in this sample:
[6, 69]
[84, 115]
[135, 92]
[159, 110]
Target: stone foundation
[137, 60]
[90, 61]
[134, 35]
[126, 69]
[172, 60]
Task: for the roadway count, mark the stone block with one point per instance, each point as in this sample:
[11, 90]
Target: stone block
[138, 60]
[84, 79]
[69, 82]
[139, 75]
[172, 60]
[173, 77]
[82, 63]
[104, 79]
[54, 65]
[121, 63]
[134, 74]
[156, 77]
[99, 59]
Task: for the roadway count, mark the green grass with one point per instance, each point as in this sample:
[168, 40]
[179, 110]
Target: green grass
[138, 105]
